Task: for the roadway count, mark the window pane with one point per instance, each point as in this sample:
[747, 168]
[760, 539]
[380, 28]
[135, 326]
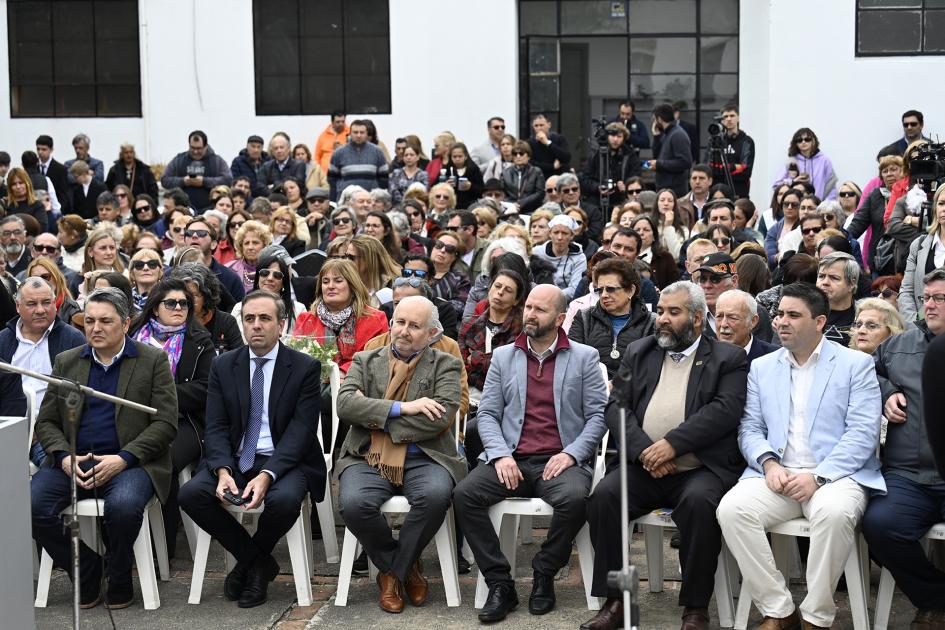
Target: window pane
[660, 16]
[73, 49]
[543, 56]
[75, 100]
[29, 28]
[119, 100]
[32, 100]
[934, 31]
[717, 90]
[890, 4]
[323, 93]
[538, 18]
[648, 91]
[888, 31]
[664, 54]
[593, 17]
[719, 54]
[719, 16]
[277, 95]
[367, 97]
[543, 94]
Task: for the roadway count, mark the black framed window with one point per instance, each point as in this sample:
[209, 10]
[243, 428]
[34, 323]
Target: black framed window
[318, 56]
[73, 58]
[900, 27]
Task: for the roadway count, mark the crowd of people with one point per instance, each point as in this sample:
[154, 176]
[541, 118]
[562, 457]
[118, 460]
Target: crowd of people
[769, 359]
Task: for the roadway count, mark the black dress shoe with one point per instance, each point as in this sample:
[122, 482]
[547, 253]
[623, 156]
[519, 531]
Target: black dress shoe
[501, 601]
[542, 599]
[235, 581]
[462, 565]
[674, 540]
[256, 590]
[90, 590]
[120, 594]
[609, 617]
[360, 566]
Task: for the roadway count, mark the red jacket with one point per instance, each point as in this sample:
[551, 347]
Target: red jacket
[898, 190]
[225, 252]
[370, 325]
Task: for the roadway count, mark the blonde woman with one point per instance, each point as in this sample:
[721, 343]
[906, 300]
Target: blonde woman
[441, 156]
[442, 201]
[251, 238]
[282, 224]
[375, 266]
[144, 271]
[101, 254]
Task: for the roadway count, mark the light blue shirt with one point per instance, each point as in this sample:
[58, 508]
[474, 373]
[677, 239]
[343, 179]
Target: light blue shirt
[264, 446]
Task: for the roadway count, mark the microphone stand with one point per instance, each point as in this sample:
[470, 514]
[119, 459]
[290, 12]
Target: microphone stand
[74, 401]
[627, 580]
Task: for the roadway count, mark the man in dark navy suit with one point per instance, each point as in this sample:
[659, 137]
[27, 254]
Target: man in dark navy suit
[260, 444]
[736, 315]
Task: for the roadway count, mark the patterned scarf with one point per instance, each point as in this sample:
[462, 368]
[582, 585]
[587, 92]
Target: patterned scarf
[387, 457]
[340, 322]
[171, 338]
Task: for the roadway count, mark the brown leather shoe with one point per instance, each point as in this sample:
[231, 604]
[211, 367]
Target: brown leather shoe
[609, 617]
[695, 619]
[416, 586]
[806, 625]
[392, 593]
[928, 619]
[791, 622]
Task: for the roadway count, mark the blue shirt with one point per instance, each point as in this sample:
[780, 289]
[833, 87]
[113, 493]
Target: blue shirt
[618, 322]
[412, 448]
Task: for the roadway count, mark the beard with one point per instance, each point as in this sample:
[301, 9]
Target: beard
[536, 331]
[668, 338]
[13, 249]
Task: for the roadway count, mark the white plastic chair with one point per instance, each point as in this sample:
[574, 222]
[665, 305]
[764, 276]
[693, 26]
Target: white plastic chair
[887, 585]
[152, 527]
[298, 538]
[508, 530]
[782, 545]
[190, 528]
[653, 525]
[325, 509]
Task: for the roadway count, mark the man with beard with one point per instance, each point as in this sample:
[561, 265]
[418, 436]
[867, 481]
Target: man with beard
[684, 394]
[13, 242]
[540, 420]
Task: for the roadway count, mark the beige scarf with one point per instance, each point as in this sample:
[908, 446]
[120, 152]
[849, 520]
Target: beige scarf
[387, 457]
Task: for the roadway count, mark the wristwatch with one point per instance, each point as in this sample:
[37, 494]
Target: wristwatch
[821, 480]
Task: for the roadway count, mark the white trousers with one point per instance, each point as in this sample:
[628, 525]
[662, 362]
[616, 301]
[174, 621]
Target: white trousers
[833, 511]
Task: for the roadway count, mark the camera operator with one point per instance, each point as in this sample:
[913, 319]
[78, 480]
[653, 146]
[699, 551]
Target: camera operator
[671, 150]
[738, 148]
[625, 116]
[623, 163]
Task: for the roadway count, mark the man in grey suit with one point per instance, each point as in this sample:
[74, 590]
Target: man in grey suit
[400, 400]
[540, 420]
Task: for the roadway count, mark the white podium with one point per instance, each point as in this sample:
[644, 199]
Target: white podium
[16, 578]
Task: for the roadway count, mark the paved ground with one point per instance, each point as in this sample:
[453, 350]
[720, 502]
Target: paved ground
[658, 610]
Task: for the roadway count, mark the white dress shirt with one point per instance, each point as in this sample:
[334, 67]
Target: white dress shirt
[35, 357]
[797, 452]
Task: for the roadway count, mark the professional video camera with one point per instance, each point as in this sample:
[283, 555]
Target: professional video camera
[715, 128]
[927, 168]
[720, 167]
[599, 126]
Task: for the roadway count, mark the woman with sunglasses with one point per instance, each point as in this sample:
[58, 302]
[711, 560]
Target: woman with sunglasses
[442, 202]
[145, 215]
[249, 241]
[273, 275]
[448, 283]
[498, 164]
[661, 262]
[343, 223]
[226, 252]
[887, 288]
[145, 270]
[46, 269]
[282, 225]
[167, 322]
[123, 195]
[410, 173]
[721, 237]
[789, 207]
[524, 182]
[618, 319]
[809, 165]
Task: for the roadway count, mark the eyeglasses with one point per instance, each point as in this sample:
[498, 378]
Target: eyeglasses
[519, 153]
[712, 278]
[45, 276]
[173, 305]
[9, 233]
[722, 242]
[827, 216]
[46, 249]
[634, 191]
[907, 125]
[446, 247]
[497, 127]
[804, 139]
[608, 290]
[410, 273]
[885, 293]
[341, 221]
[415, 214]
[938, 298]
[846, 193]
[121, 195]
[813, 230]
[177, 230]
[870, 326]
[569, 190]
[441, 197]
[140, 209]
[550, 190]
[416, 283]
[138, 265]
[234, 225]
[265, 273]
[791, 204]
[197, 233]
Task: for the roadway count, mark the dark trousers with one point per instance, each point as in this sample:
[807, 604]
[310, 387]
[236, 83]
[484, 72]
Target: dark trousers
[185, 450]
[893, 525]
[282, 505]
[693, 495]
[125, 496]
[472, 443]
[566, 493]
[427, 486]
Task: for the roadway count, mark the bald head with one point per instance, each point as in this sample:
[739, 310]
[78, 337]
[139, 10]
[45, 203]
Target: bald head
[415, 325]
[544, 313]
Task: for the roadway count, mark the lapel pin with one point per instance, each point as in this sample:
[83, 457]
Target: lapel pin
[698, 362]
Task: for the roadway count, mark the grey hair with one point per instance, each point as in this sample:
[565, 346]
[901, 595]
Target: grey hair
[350, 191]
[830, 206]
[551, 206]
[33, 282]
[423, 287]
[936, 275]
[696, 302]
[747, 299]
[113, 296]
[220, 216]
[851, 269]
[340, 209]
[509, 244]
[126, 145]
[41, 195]
[13, 218]
[434, 319]
[81, 138]
[379, 194]
[565, 179]
[400, 222]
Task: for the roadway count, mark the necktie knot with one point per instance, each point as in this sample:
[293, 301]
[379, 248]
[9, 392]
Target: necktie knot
[259, 361]
[677, 356]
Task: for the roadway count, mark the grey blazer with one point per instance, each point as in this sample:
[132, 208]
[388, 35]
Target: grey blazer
[437, 376]
[580, 399]
[910, 293]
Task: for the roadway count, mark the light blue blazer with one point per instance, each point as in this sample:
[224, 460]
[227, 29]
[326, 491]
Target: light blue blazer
[843, 414]
[580, 398]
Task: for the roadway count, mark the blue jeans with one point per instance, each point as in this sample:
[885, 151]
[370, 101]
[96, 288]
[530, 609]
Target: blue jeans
[893, 525]
[125, 495]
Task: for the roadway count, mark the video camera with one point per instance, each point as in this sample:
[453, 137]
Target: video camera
[599, 126]
[715, 128]
[927, 169]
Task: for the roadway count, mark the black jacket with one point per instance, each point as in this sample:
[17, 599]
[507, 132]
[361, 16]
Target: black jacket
[673, 154]
[715, 402]
[83, 204]
[294, 402]
[592, 327]
[870, 213]
[141, 181]
[270, 175]
[623, 164]
[544, 155]
[474, 175]
[224, 332]
[639, 138]
[57, 173]
[242, 166]
[294, 246]
[527, 190]
[738, 149]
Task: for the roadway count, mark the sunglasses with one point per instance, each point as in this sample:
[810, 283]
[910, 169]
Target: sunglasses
[351, 257]
[550, 191]
[234, 226]
[446, 247]
[572, 189]
[46, 249]
[885, 293]
[804, 139]
[578, 221]
[44, 276]
[634, 191]
[607, 290]
[265, 273]
[197, 233]
[173, 305]
[122, 195]
[497, 127]
[519, 153]
[411, 273]
[907, 125]
[846, 193]
[722, 242]
[441, 197]
[416, 283]
[415, 214]
[712, 278]
[177, 230]
[341, 221]
[791, 204]
[813, 230]
[138, 265]
[140, 209]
